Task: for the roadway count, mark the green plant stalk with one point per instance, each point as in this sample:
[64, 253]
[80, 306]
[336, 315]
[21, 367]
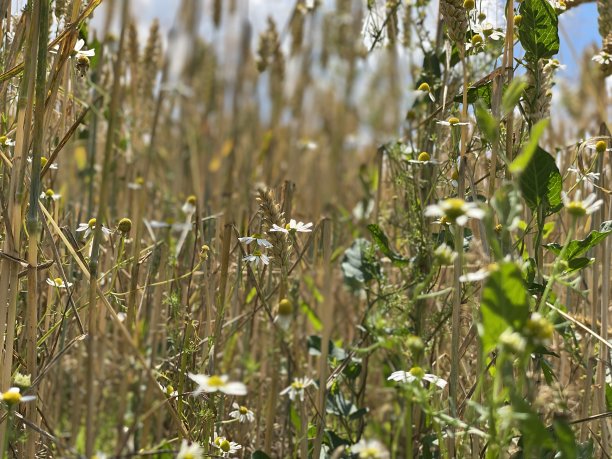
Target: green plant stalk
[408, 419]
[9, 430]
[10, 282]
[555, 268]
[33, 224]
[93, 263]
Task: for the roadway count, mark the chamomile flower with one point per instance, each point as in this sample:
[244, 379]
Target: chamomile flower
[215, 383]
[423, 158]
[370, 449]
[603, 58]
[168, 390]
[588, 176]
[417, 374]
[90, 226]
[455, 210]
[13, 396]
[292, 227]
[476, 276]
[225, 446]
[298, 388]
[578, 208]
[452, 121]
[58, 282]
[284, 314]
[241, 413]
[424, 90]
[50, 194]
[190, 451]
[6, 142]
[257, 258]
[476, 43]
[488, 31]
[78, 48]
[189, 207]
[255, 238]
[43, 162]
[598, 144]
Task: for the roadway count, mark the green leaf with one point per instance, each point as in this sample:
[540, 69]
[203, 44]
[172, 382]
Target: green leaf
[522, 160]
[505, 303]
[540, 183]
[382, 241]
[312, 317]
[512, 95]
[358, 264]
[539, 30]
[564, 436]
[579, 247]
[487, 123]
[477, 93]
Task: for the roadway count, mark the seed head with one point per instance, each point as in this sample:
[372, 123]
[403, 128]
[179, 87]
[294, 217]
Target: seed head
[124, 225]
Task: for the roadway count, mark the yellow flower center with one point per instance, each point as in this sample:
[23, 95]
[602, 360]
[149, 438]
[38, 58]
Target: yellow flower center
[215, 381]
[11, 397]
[243, 410]
[43, 161]
[454, 208]
[453, 120]
[191, 200]
[469, 4]
[188, 456]
[169, 390]
[417, 372]
[224, 445]
[423, 156]
[285, 307]
[369, 453]
[3, 139]
[498, 228]
[424, 87]
[58, 281]
[576, 208]
[476, 40]
[49, 192]
[297, 385]
[600, 146]
[91, 223]
[518, 19]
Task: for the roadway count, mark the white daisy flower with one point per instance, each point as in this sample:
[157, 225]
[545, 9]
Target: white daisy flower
[225, 446]
[257, 258]
[488, 31]
[168, 390]
[43, 162]
[452, 121]
[579, 208]
[50, 194]
[78, 48]
[58, 282]
[598, 144]
[417, 374]
[214, 383]
[242, 413]
[589, 176]
[476, 276]
[189, 207]
[444, 255]
[422, 159]
[292, 227]
[370, 449]
[190, 451]
[603, 58]
[90, 226]
[423, 90]
[13, 396]
[6, 142]
[255, 238]
[455, 210]
[298, 388]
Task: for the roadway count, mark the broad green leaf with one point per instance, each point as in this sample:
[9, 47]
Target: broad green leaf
[522, 160]
[505, 303]
[564, 436]
[487, 123]
[512, 95]
[579, 247]
[540, 183]
[358, 264]
[476, 94]
[382, 241]
[538, 31]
